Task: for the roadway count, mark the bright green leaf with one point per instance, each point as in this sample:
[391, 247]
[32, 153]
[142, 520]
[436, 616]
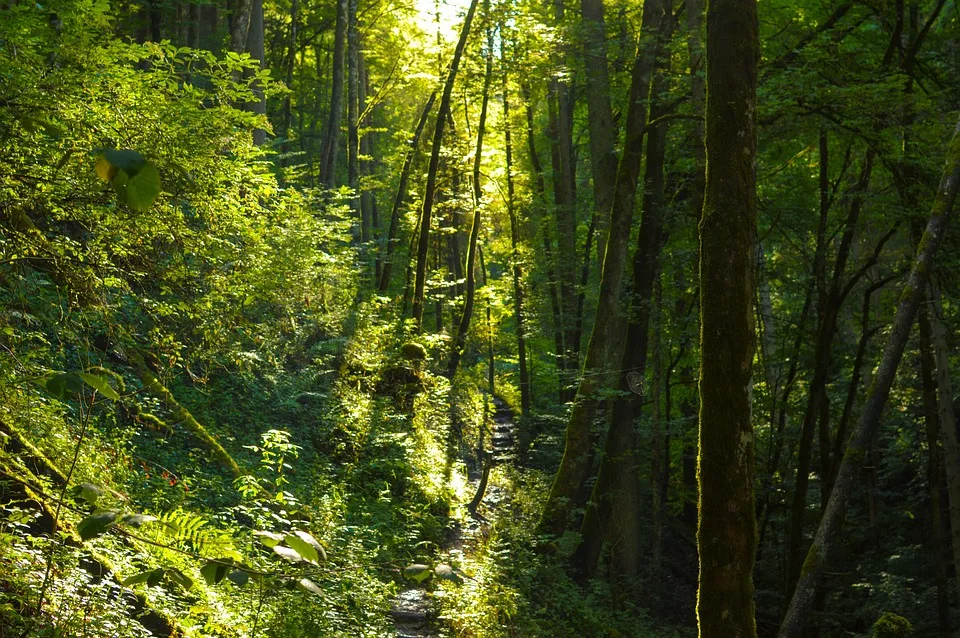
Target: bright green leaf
[268, 538]
[99, 384]
[417, 572]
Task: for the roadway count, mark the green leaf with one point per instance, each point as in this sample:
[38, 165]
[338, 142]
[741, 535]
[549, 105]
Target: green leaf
[180, 578]
[213, 573]
[88, 492]
[126, 160]
[63, 383]
[268, 538]
[289, 554]
[445, 572]
[155, 577]
[105, 170]
[310, 586]
[99, 384]
[238, 577]
[136, 579]
[417, 572]
[96, 524]
[305, 545]
[143, 188]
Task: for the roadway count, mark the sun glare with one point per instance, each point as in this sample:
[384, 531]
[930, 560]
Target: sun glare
[441, 16]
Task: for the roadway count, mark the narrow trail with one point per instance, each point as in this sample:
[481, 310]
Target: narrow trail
[413, 610]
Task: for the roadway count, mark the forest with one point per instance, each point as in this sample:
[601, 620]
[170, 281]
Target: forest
[479, 318]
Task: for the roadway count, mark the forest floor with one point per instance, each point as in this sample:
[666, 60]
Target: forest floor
[413, 611]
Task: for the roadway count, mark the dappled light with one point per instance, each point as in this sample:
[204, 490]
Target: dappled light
[479, 318]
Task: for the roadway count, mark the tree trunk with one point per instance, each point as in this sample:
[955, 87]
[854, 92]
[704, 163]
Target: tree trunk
[539, 205]
[564, 189]
[515, 245]
[830, 302]
[576, 456]
[353, 123]
[240, 24]
[401, 195]
[948, 422]
[853, 459]
[255, 48]
[465, 318]
[431, 187]
[657, 455]
[931, 418]
[331, 139]
[615, 513]
[603, 158]
[290, 64]
[726, 534]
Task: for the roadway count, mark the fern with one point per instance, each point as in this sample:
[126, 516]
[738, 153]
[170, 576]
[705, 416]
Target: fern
[193, 531]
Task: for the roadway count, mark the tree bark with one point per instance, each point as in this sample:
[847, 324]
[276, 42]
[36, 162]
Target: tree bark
[726, 534]
[576, 456]
[856, 452]
[254, 46]
[614, 508]
[603, 158]
[539, 205]
[353, 123]
[331, 139]
[948, 422]
[931, 419]
[240, 24]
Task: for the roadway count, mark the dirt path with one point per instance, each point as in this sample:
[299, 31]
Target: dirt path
[413, 610]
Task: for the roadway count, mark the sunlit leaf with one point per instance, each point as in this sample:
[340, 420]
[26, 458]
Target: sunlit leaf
[310, 586]
[286, 553]
[417, 572]
[268, 538]
[99, 384]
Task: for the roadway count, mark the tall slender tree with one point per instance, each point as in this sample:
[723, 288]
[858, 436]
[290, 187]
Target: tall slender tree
[726, 533]
[431, 187]
[825, 540]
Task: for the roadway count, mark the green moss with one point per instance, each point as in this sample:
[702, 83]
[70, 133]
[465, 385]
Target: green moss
[891, 625]
[812, 560]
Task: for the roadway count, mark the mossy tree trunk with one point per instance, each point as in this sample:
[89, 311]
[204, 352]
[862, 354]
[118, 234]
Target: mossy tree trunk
[931, 419]
[947, 419]
[575, 463]
[614, 508]
[726, 533]
[855, 455]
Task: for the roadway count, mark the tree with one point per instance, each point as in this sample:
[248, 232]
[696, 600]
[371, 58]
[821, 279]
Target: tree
[467, 314]
[726, 533]
[423, 242]
[854, 456]
[328, 153]
[574, 465]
